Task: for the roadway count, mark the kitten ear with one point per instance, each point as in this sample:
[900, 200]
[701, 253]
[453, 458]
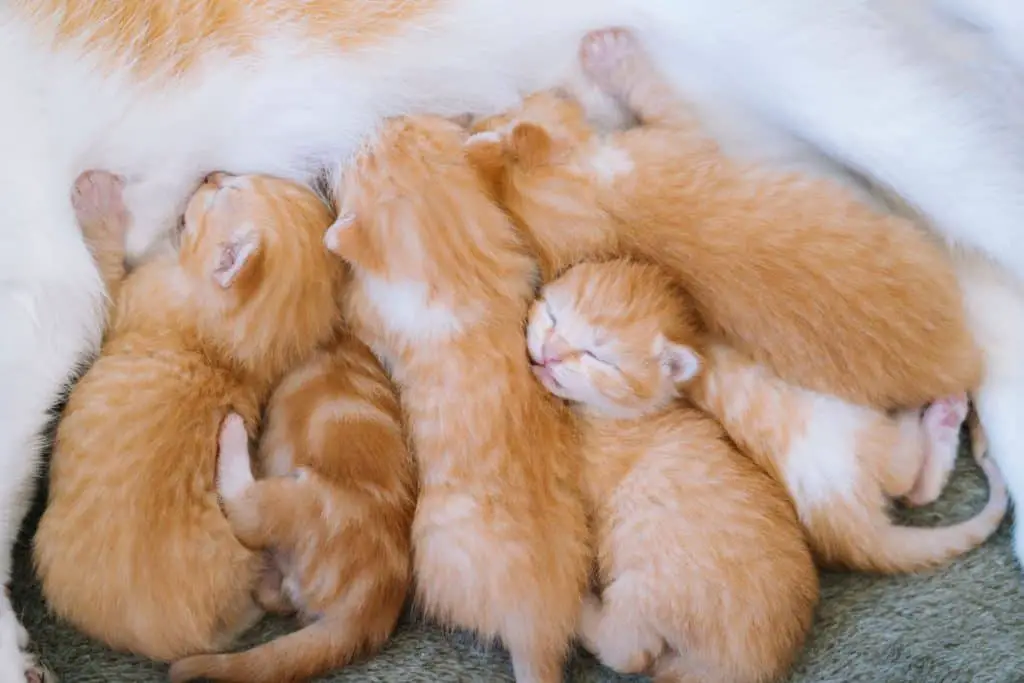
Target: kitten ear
[530, 144]
[339, 235]
[680, 362]
[485, 152]
[236, 255]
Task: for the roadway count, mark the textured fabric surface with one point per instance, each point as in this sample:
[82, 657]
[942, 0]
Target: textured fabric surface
[963, 624]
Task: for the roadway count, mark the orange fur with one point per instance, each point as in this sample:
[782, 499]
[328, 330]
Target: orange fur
[841, 463]
[704, 571]
[879, 458]
[195, 335]
[336, 510]
[440, 290]
[795, 272]
[171, 37]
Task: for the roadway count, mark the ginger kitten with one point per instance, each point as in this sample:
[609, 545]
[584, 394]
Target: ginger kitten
[704, 572]
[335, 511]
[440, 290]
[841, 463]
[196, 335]
[793, 271]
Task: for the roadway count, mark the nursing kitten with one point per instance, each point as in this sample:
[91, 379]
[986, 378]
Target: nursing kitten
[440, 290]
[841, 463]
[793, 271]
[335, 510]
[196, 335]
[704, 571]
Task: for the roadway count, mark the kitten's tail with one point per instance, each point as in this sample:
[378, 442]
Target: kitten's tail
[327, 644]
[893, 549]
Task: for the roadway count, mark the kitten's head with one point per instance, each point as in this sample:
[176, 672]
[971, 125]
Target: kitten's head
[251, 251]
[617, 337]
[414, 217]
[540, 134]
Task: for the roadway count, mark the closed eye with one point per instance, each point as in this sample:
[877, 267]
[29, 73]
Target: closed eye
[599, 359]
[551, 313]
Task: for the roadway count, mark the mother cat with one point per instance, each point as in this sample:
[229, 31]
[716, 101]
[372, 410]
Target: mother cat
[163, 91]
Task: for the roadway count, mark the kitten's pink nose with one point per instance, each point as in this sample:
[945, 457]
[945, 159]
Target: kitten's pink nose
[552, 351]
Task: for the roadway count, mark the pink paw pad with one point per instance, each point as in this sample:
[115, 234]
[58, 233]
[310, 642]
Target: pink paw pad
[97, 194]
[602, 51]
[945, 416]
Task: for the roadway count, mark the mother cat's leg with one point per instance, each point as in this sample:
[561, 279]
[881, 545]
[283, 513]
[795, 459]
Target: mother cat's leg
[51, 318]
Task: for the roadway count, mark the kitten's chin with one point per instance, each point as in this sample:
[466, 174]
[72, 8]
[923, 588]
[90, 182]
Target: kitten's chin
[547, 380]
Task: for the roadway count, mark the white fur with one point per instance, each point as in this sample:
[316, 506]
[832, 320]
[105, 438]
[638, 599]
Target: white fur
[852, 78]
[822, 463]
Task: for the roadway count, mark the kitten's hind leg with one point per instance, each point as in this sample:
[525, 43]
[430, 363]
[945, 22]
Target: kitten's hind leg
[612, 630]
[263, 514]
[941, 424]
[615, 61]
[269, 592]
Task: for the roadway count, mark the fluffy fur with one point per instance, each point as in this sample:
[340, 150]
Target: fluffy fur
[750, 245]
[842, 464]
[335, 510]
[195, 335]
[440, 290]
[697, 548]
[163, 91]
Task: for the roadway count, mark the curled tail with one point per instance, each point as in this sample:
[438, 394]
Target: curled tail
[883, 547]
[330, 643]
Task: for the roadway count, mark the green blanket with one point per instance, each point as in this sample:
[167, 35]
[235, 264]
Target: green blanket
[962, 624]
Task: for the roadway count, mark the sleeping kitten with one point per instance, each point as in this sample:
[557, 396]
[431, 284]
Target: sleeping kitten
[704, 571]
[195, 336]
[841, 463]
[793, 271]
[440, 290]
[336, 510]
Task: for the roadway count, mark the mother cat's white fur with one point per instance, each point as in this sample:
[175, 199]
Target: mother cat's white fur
[853, 78]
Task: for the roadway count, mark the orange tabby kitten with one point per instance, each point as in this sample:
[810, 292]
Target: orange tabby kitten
[336, 510]
[195, 335]
[793, 271]
[704, 570]
[840, 462]
[440, 290]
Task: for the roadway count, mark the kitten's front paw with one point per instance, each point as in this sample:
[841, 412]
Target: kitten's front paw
[98, 200]
[608, 57]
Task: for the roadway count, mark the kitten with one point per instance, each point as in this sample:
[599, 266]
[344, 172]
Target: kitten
[195, 336]
[795, 272]
[698, 549]
[841, 463]
[336, 511]
[160, 90]
[440, 291]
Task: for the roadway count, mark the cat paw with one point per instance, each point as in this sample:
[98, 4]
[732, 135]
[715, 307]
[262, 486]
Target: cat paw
[98, 200]
[15, 661]
[610, 58]
[941, 424]
[589, 622]
[234, 471]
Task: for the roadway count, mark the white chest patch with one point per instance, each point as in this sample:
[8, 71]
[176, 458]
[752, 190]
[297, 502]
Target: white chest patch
[609, 162]
[408, 310]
